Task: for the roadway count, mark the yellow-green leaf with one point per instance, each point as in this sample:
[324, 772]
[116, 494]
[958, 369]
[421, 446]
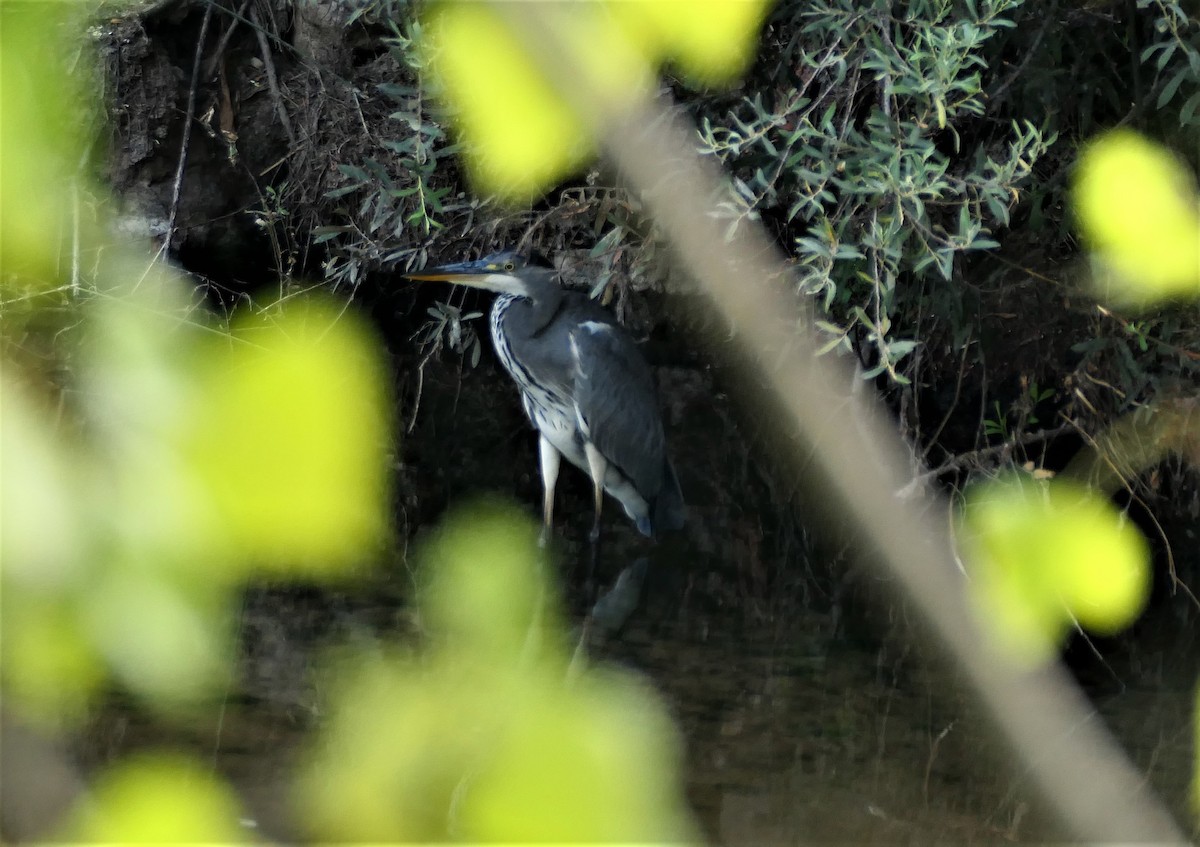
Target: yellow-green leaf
[486, 737]
[291, 438]
[168, 642]
[42, 135]
[41, 542]
[712, 41]
[1195, 748]
[486, 585]
[1044, 554]
[1196, 755]
[569, 756]
[518, 134]
[158, 798]
[50, 668]
[1137, 207]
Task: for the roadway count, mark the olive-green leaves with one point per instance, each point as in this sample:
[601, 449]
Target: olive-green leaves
[290, 434]
[157, 798]
[520, 135]
[211, 456]
[1044, 555]
[486, 736]
[1138, 209]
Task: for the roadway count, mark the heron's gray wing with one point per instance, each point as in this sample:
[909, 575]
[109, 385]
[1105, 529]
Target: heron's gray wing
[535, 356]
[615, 401]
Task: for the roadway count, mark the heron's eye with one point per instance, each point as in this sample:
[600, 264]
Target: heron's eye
[509, 266]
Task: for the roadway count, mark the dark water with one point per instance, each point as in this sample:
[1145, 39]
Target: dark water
[794, 730]
[794, 736]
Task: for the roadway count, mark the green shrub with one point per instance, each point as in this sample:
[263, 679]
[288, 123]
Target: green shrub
[862, 147]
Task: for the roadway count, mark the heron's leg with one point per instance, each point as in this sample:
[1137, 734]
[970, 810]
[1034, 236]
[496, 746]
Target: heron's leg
[549, 459]
[597, 467]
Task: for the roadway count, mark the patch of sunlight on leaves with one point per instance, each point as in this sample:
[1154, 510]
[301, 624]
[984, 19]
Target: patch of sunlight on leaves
[520, 135]
[1138, 209]
[1195, 798]
[165, 641]
[290, 435]
[157, 798]
[41, 544]
[484, 736]
[711, 41]
[51, 667]
[36, 102]
[1044, 554]
[178, 459]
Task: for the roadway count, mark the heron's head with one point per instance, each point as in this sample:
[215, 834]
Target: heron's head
[506, 272]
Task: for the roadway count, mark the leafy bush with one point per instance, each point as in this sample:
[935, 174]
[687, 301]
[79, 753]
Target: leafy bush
[1174, 55]
[873, 167]
[402, 190]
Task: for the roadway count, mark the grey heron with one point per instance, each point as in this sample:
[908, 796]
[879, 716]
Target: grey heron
[585, 386]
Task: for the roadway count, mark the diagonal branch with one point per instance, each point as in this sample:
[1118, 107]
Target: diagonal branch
[189, 113]
[1077, 766]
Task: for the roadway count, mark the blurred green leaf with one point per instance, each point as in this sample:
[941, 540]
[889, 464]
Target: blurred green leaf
[41, 538]
[51, 669]
[485, 736]
[43, 133]
[595, 760]
[1137, 207]
[168, 642]
[485, 590]
[1045, 554]
[1195, 798]
[519, 135]
[712, 41]
[290, 436]
[157, 798]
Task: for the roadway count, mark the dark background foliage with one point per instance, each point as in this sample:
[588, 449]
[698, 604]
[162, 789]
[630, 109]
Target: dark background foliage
[912, 158]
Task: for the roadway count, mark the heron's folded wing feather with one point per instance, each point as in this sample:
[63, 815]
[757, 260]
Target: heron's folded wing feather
[615, 399]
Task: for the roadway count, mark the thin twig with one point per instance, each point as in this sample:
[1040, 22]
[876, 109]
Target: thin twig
[1030, 52]
[210, 67]
[976, 457]
[75, 238]
[272, 83]
[857, 459]
[958, 383]
[933, 752]
[177, 187]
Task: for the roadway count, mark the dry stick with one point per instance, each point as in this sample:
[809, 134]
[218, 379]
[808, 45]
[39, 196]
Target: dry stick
[272, 83]
[187, 125]
[977, 457]
[210, 67]
[958, 383]
[1078, 768]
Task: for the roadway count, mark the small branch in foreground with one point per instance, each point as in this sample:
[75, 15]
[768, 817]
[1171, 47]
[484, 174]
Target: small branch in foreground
[978, 457]
[272, 82]
[210, 66]
[189, 114]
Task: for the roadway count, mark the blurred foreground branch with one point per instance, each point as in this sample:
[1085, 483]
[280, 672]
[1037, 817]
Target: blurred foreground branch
[1080, 771]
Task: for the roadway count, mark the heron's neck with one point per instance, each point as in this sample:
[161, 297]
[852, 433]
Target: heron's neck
[545, 297]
